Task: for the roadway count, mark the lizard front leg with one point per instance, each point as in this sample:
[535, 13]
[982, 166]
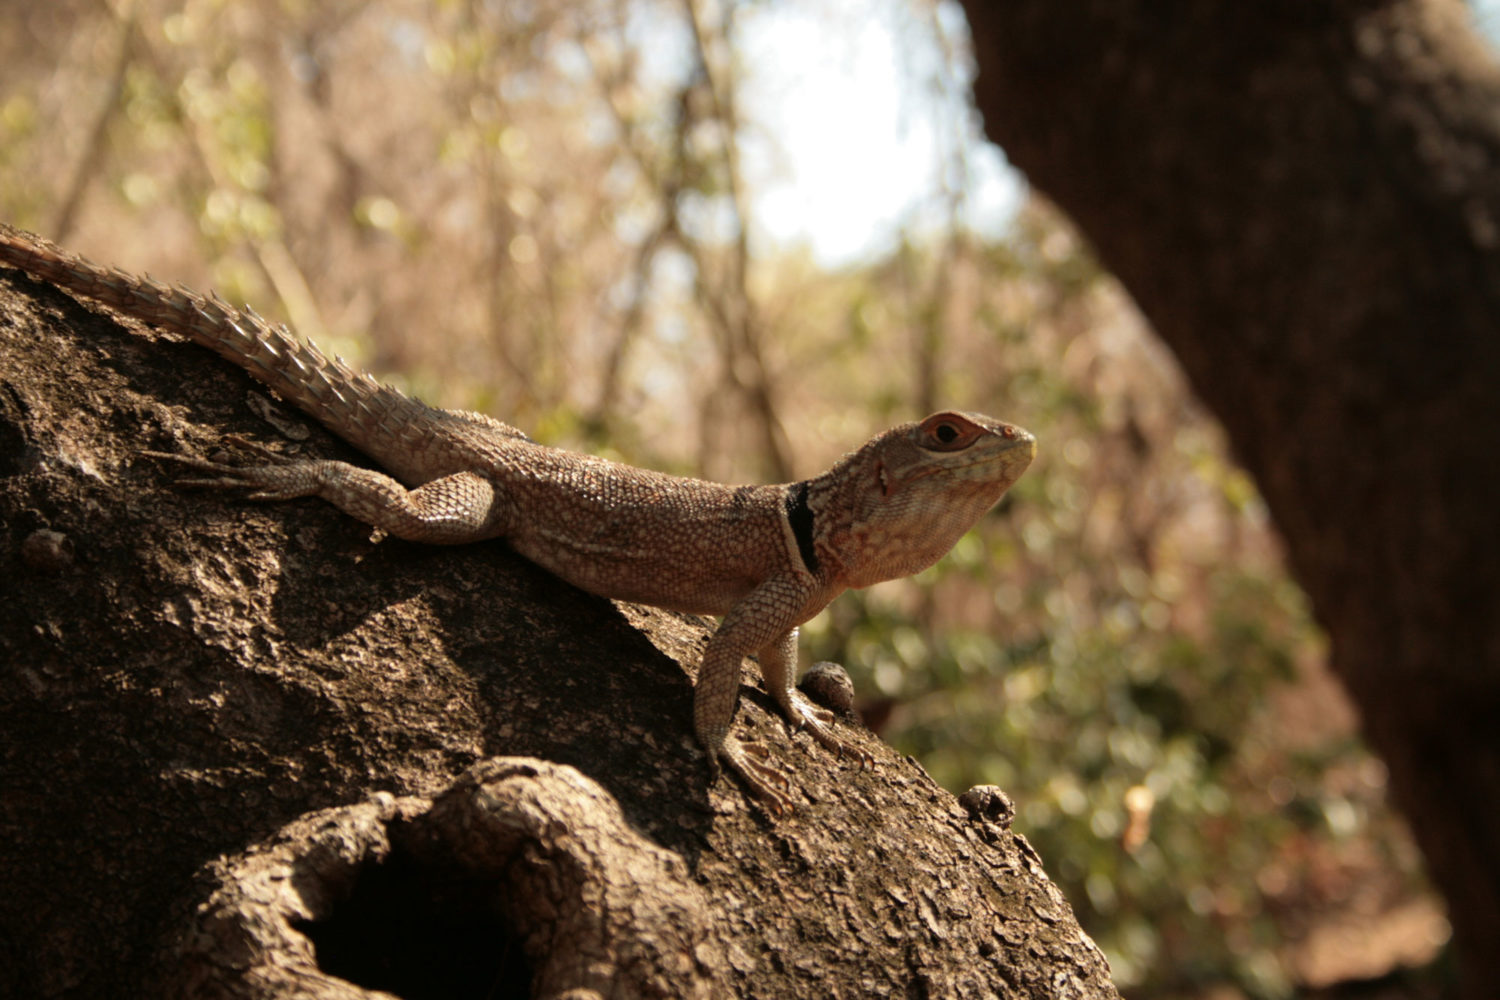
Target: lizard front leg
[766, 615]
[448, 511]
[778, 665]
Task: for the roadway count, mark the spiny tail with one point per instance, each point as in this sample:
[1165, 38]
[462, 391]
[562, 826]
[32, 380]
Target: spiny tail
[375, 418]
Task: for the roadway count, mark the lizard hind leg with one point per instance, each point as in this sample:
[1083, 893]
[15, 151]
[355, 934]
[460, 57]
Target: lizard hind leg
[447, 511]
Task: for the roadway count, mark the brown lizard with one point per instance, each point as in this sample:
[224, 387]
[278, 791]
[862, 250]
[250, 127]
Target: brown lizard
[765, 558]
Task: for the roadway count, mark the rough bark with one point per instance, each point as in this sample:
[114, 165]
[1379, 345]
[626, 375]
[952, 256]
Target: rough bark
[249, 753]
[1303, 198]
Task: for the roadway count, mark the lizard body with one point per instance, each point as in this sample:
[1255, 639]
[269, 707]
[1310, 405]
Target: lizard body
[764, 558]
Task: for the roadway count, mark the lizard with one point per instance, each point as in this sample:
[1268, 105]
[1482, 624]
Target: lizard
[764, 558]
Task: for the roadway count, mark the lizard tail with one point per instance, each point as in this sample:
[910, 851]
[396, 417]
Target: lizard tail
[369, 415]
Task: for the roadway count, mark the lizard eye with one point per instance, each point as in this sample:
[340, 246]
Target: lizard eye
[948, 432]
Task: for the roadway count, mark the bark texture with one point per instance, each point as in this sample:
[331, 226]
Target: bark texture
[1304, 200]
[248, 753]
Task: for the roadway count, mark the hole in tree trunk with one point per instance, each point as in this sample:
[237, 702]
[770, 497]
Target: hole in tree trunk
[419, 934]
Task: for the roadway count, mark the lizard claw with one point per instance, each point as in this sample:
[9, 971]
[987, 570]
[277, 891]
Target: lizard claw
[748, 760]
[265, 454]
[259, 451]
[818, 723]
[275, 478]
[807, 716]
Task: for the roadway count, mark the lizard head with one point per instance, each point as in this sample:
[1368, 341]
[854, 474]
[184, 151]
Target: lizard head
[898, 504]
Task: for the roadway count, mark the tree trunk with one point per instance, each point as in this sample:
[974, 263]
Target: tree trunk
[1303, 199]
[249, 753]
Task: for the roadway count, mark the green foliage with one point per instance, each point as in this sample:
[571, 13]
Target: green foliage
[1106, 645]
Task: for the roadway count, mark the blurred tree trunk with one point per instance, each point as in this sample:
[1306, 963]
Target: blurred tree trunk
[249, 753]
[1304, 200]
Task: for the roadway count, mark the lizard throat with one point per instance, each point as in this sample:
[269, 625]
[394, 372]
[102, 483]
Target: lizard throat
[800, 516]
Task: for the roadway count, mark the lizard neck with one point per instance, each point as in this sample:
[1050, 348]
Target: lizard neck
[803, 524]
[830, 521]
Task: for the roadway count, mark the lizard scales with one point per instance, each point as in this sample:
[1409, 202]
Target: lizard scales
[765, 558]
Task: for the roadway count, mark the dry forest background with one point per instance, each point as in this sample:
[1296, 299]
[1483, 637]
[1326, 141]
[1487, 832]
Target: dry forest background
[541, 211]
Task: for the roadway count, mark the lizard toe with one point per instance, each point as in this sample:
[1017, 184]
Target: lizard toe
[771, 786]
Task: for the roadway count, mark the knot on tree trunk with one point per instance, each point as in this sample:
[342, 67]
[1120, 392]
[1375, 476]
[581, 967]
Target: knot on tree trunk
[522, 875]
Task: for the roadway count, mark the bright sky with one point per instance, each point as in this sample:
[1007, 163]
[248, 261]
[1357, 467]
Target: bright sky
[1487, 18]
[851, 146]
[852, 127]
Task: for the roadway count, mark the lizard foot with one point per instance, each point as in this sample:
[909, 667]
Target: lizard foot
[277, 478]
[748, 759]
[818, 723]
